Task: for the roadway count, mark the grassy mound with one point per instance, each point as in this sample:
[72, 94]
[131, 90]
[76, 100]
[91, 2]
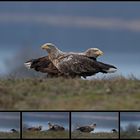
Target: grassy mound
[101, 135]
[6, 135]
[46, 135]
[58, 93]
[130, 135]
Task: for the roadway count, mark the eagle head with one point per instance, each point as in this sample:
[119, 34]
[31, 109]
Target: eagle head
[52, 50]
[48, 46]
[94, 52]
[93, 125]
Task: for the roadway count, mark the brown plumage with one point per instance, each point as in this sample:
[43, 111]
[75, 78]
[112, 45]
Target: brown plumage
[14, 130]
[138, 130]
[45, 65]
[35, 128]
[72, 64]
[114, 131]
[87, 128]
[55, 127]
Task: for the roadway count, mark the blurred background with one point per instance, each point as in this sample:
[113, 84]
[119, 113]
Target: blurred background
[113, 27]
[9, 120]
[129, 121]
[105, 121]
[35, 119]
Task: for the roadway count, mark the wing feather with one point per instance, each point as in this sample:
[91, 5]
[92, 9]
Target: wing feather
[81, 65]
[77, 64]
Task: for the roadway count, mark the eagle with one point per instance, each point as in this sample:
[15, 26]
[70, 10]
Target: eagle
[69, 64]
[44, 64]
[35, 128]
[55, 127]
[73, 65]
[138, 130]
[14, 130]
[87, 128]
[114, 131]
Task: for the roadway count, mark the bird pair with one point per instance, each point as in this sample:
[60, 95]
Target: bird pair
[55, 127]
[52, 127]
[69, 64]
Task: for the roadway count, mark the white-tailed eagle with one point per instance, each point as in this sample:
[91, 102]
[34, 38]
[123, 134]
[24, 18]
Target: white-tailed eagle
[87, 128]
[55, 127]
[114, 131]
[73, 64]
[39, 128]
[44, 64]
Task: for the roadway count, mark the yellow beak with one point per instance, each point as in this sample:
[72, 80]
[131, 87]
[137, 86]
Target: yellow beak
[101, 53]
[44, 47]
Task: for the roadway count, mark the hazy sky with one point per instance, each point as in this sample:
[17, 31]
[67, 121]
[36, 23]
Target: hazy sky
[42, 118]
[127, 118]
[9, 120]
[113, 27]
[105, 121]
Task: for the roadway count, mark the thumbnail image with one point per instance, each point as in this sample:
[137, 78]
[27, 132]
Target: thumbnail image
[130, 125]
[9, 125]
[94, 125]
[45, 125]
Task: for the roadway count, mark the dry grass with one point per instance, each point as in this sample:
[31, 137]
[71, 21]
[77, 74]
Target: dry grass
[130, 135]
[46, 135]
[58, 93]
[101, 135]
[6, 135]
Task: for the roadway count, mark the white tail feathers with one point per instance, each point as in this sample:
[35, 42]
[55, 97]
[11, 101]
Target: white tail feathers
[111, 70]
[28, 64]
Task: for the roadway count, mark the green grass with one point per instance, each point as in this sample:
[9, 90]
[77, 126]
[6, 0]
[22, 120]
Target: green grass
[46, 135]
[8, 135]
[101, 135]
[129, 135]
[58, 93]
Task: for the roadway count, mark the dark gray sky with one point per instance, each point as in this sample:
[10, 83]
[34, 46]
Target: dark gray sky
[105, 120]
[113, 27]
[127, 118]
[9, 120]
[42, 118]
